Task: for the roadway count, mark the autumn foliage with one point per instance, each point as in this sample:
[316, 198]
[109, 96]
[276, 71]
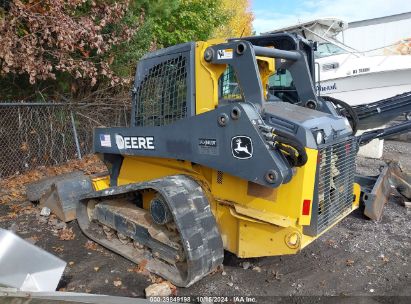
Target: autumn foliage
[76, 48]
[41, 38]
[239, 22]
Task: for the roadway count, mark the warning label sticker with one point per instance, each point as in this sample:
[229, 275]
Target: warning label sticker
[225, 54]
[207, 146]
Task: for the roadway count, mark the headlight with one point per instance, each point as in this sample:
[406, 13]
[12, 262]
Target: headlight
[319, 137]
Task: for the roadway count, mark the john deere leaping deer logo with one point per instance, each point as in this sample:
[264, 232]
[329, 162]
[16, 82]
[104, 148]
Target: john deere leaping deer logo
[242, 147]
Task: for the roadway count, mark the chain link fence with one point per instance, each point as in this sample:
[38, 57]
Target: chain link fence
[46, 134]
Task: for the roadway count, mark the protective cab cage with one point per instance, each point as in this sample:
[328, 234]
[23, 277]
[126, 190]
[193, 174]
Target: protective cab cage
[164, 88]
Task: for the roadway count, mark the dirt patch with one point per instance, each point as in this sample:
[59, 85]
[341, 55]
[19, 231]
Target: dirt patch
[357, 257]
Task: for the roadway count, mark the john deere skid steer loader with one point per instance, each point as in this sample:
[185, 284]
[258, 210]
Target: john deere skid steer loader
[213, 161]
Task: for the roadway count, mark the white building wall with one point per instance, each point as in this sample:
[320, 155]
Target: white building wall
[373, 36]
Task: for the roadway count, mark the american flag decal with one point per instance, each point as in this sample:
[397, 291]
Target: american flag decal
[105, 140]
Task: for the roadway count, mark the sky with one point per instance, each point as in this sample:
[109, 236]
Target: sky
[273, 14]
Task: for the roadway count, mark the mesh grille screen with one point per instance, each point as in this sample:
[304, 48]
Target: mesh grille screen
[229, 86]
[335, 184]
[161, 97]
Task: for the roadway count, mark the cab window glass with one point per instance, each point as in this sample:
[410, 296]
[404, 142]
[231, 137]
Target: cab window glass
[281, 79]
[281, 86]
[229, 87]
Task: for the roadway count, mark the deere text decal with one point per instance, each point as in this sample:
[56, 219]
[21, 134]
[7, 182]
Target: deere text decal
[135, 142]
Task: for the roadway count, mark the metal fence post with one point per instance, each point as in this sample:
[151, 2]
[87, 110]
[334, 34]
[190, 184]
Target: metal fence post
[73, 123]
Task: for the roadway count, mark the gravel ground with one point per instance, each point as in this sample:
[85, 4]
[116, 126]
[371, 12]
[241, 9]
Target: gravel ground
[357, 257]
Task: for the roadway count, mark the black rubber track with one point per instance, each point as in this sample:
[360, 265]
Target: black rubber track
[203, 246]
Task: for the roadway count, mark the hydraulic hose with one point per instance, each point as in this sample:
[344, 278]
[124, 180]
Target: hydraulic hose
[288, 143]
[352, 115]
[289, 153]
[295, 144]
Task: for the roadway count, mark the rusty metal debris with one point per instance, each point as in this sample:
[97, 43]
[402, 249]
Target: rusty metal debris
[63, 196]
[377, 190]
[35, 190]
[60, 194]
